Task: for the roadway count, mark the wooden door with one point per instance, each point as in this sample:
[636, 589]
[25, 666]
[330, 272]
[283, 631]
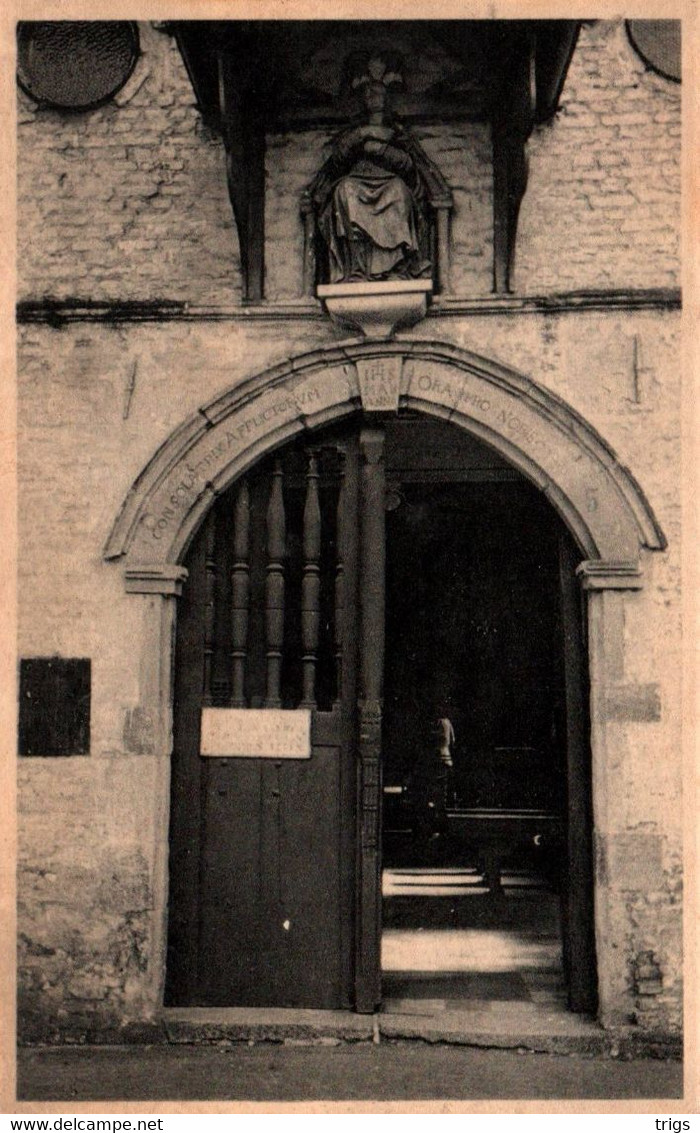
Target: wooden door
[577, 890]
[263, 851]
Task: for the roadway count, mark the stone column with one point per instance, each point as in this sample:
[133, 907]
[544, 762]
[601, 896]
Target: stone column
[607, 585]
[159, 584]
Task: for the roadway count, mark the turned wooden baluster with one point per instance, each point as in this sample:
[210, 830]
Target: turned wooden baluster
[274, 590]
[311, 585]
[240, 595]
[209, 605]
[339, 595]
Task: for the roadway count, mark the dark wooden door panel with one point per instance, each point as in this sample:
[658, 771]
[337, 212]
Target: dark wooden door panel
[311, 965]
[263, 851]
[231, 945]
[271, 894]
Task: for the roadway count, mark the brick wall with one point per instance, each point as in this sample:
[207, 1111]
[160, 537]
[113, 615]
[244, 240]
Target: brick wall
[143, 184]
[602, 208]
[128, 201]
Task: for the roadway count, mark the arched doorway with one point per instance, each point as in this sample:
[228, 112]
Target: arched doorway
[533, 431]
[276, 855]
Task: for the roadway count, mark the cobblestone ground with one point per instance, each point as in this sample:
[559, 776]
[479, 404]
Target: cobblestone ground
[353, 1071]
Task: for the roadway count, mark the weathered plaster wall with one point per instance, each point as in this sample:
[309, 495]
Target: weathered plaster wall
[95, 403]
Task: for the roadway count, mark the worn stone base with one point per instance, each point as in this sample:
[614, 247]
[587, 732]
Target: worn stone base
[217, 1026]
[263, 1024]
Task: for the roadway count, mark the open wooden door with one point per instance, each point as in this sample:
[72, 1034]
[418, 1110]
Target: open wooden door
[264, 850]
[275, 886]
[577, 894]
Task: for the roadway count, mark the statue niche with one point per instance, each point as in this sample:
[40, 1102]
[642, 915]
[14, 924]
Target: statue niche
[378, 207]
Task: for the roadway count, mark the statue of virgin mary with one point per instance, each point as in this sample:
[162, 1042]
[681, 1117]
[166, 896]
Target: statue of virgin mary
[369, 195]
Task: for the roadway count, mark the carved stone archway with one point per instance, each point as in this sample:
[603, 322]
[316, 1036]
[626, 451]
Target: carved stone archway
[530, 427]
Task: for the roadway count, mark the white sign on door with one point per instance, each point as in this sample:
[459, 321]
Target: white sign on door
[256, 733]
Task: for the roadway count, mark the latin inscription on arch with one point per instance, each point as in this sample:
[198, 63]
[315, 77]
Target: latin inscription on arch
[565, 462]
[218, 448]
[538, 434]
[464, 393]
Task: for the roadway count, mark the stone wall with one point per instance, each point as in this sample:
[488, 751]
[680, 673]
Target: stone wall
[95, 404]
[130, 202]
[142, 183]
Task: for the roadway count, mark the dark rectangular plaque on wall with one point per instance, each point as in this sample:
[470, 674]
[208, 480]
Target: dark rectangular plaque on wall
[54, 706]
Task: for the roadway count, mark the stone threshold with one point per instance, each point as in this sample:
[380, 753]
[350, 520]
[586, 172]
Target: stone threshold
[490, 1027]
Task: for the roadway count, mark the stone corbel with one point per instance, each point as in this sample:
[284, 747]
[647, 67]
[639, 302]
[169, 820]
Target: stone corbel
[155, 578]
[378, 308]
[599, 574]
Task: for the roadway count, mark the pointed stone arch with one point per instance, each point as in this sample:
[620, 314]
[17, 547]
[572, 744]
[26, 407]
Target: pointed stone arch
[529, 426]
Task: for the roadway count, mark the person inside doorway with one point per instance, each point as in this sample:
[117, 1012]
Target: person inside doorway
[432, 780]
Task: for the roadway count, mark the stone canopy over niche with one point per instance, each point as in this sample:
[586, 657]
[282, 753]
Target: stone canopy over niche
[531, 428]
[252, 77]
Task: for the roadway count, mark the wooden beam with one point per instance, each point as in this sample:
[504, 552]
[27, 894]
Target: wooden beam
[512, 123]
[244, 138]
[555, 45]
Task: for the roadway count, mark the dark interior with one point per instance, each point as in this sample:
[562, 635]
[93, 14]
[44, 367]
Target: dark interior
[472, 632]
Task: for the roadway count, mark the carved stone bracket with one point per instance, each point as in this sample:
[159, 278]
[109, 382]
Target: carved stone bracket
[598, 574]
[376, 309]
[155, 578]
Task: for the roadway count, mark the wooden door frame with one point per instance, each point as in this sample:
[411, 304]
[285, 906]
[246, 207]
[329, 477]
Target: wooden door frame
[372, 581]
[577, 898]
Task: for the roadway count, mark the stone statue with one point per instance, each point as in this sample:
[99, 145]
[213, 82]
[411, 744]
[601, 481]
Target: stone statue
[370, 194]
